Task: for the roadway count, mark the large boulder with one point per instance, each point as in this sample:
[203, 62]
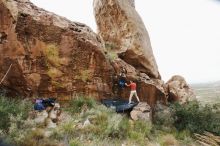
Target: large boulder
[124, 32]
[141, 112]
[49, 55]
[118, 64]
[179, 90]
[149, 90]
[152, 91]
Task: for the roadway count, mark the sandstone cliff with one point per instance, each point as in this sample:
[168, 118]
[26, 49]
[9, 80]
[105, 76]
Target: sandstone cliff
[50, 55]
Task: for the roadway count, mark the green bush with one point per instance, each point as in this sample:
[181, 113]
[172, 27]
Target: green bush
[105, 123]
[14, 126]
[12, 108]
[163, 119]
[139, 132]
[77, 104]
[196, 118]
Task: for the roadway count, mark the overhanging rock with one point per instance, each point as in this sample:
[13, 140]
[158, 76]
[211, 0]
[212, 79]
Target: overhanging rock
[124, 32]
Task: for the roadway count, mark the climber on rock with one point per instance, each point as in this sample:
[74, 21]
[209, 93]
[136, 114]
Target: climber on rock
[122, 78]
[133, 92]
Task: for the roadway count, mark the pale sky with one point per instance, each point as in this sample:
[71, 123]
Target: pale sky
[185, 34]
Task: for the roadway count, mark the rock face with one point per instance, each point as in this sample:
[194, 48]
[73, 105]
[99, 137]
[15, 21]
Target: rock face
[179, 90]
[141, 112]
[148, 90]
[50, 55]
[124, 32]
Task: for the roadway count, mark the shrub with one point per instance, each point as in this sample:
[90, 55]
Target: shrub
[196, 118]
[163, 118]
[168, 140]
[108, 124]
[14, 126]
[139, 132]
[77, 104]
[142, 127]
[37, 137]
[12, 108]
[104, 122]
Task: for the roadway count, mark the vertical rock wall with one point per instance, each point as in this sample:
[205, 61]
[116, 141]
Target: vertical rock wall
[50, 55]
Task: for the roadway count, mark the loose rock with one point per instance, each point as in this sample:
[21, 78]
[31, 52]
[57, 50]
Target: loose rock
[141, 112]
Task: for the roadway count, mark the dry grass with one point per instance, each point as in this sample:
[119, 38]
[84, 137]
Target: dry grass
[169, 140]
[208, 139]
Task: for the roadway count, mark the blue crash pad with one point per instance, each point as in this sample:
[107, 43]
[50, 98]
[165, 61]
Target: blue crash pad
[119, 104]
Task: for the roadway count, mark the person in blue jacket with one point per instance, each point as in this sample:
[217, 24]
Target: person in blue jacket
[122, 78]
